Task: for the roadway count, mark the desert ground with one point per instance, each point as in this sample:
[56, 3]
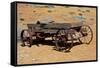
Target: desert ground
[28, 13]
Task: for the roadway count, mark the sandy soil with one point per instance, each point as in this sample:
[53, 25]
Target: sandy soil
[45, 53]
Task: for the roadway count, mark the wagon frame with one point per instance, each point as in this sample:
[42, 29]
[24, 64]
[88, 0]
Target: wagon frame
[65, 34]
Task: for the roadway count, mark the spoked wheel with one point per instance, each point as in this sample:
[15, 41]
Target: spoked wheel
[70, 39]
[61, 41]
[26, 38]
[87, 34]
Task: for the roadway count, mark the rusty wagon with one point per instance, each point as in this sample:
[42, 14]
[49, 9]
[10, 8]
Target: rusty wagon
[60, 33]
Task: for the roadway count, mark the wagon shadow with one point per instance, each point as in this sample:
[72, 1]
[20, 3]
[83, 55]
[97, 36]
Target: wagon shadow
[51, 43]
[43, 42]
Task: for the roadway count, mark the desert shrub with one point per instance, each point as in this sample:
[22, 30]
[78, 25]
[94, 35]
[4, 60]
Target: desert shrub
[83, 11]
[34, 11]
[72, 13]
[49, 11]
[92, 19]
[79, 9]
[87, 10]
[80, 14]
[22, 19]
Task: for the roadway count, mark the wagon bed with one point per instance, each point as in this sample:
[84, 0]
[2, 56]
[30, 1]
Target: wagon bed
[52, 27]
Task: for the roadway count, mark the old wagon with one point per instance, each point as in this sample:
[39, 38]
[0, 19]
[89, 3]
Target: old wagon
[61, 33]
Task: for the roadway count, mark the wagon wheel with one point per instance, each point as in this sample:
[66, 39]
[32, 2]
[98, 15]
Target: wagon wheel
[87, 34]
[25, 39]
[61, 40]
[69, 37]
